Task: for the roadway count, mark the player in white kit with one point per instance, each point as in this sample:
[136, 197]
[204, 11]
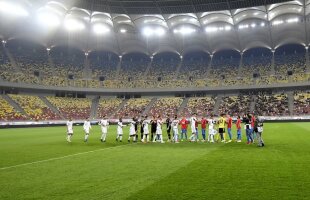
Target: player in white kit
[192, 121]
[86, 128]
[132, 130]
[159, 132]
[212, 131]
[69, 130]
[145, 125]
[104, 128]
[120, 130]
[175, 124]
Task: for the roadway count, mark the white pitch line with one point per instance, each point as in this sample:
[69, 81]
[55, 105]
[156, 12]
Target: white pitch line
[59, 158]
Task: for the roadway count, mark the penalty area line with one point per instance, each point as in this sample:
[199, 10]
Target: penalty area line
[62, 157]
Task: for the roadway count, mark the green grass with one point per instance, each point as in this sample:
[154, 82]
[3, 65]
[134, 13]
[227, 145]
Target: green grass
[154, 171]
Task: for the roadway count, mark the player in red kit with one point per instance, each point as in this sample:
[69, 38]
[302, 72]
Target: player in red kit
[253, 119]
[203, 128]
[238, 126]
[183, 123]
[229, 125]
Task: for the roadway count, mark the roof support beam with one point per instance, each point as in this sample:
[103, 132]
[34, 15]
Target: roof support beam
[235, 28]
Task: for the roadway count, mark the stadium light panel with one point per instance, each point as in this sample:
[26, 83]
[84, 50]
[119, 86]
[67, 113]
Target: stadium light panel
[185, 30]
[277, 22]
[148, 31]
[48, 19]
[292, 20]
[227, 28]
[13, 9]
[243, 26]
[100, 29]
[74, 25]
[211, 29]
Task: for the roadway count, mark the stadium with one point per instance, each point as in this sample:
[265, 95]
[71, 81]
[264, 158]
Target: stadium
[154, 99]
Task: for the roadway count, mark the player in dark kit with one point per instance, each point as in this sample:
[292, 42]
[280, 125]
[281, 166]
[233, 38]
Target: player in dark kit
[153, 128]
[168, 123]
[142, 126]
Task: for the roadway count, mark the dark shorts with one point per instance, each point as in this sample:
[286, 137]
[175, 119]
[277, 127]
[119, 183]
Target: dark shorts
[221, 130]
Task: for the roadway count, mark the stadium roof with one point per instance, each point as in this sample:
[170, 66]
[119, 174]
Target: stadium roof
[150, 26]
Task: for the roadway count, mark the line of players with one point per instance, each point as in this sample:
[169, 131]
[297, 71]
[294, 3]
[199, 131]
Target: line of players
[253, 128]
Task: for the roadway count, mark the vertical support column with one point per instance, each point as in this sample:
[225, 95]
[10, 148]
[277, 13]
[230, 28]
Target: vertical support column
[179, 67]
[119, 66]
[272, 63]
[240, 64]
[210, 65]
[307, 59]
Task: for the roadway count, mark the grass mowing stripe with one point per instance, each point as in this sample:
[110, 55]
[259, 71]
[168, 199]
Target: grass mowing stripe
[62, 157]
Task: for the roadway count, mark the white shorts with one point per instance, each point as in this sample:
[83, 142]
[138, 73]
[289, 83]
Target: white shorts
[212, 132]
[86, 131]
[193, 129]
[120, 132]
[70, 132]
[104, 129]
[159, 132]
[132, 133]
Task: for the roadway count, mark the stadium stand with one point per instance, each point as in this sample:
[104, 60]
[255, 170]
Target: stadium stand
[272, 104]
[133, 108]
[107, 107]
[200, 105]
[165, 107]
[34, 107]
[75, 108]
[301, 102]
[8, 113]
[235, 105]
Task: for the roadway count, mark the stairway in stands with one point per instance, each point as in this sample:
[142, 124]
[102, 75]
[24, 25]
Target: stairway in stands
[217, 104]
[12, 60]
[51, 106]
[94, 107]
[178, 69]
[148, 107]
[118, 108]
[182, 106]
[14, 104]
[252, 104]
[290, 96]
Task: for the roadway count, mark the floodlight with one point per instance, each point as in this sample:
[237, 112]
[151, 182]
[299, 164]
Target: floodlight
[253, 25]
[277, 22]
[123, 30]
[159, 31]
[227, 28]
[13, 9]
[147, 31]
[48, 49]
[262, 24]
[185, 30]
[74, 25]
[211, 29]
[292, 20]
[100, 29]
[48, 19]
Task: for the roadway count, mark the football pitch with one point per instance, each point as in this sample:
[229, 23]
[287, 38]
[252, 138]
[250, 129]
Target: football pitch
[38, 163]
